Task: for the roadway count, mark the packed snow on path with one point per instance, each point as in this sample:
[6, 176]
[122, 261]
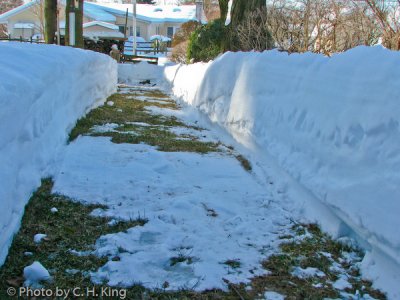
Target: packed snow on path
[202, 209]
[175, 192]
[44, 89]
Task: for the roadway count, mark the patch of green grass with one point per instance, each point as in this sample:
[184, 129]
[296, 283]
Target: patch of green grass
[316, 243]
[244, 162]
[163, 140]
[286, 236]
[181, 258]
[364, 287]
[233, 263]
[156, 94]
[210, 212]
[307, 252]
[279, 264]
[124, 110]
[71, 228]
[291, 287]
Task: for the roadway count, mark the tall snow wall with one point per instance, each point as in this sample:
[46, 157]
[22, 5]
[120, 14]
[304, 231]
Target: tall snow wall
[44, 89]
[331, 123]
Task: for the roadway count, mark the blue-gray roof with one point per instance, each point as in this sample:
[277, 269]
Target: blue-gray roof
[147, 13]
[99, 9]
[98, 13]
[10, 13]
[104, 13]
[91, 11]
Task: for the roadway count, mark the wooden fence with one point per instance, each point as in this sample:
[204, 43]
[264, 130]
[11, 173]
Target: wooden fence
[145, 50]
[32, 41]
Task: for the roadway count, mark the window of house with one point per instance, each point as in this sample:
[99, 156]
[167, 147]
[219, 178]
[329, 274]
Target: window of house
[122, 29]
[137, 31]
[158, 30]
[170, 32]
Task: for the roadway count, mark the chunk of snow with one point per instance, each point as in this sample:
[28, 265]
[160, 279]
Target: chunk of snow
[229, 14]
[112, 222]
[273, 296]
[105, 127]
[342, 283]
[80, 253]
[72, 271]
[39, 237]
[134, 73]
[35, 273]
[28, 253]
[110, 103]
[326, 254]
[54, 210]
[307, 272]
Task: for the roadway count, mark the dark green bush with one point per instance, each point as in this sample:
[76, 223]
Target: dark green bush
[206, 42]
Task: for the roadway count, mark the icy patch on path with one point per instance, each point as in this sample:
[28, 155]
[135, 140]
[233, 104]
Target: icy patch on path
[172, 190]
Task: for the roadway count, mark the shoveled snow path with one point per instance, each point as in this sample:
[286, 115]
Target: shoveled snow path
[177, 192]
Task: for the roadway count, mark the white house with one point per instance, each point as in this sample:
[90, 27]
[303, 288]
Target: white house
[103, 19]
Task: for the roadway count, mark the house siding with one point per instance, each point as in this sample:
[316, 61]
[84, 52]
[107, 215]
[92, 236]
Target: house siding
[31, 15]
[97, 28]
[28, 16]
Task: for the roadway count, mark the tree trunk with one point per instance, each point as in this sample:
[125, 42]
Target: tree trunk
[238, 12]
[241, 7]
[223, 7]
[50, 15]
[79, 25]
[70, 8]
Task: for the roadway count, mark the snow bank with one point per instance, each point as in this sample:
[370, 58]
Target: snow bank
[43, 91]
[331, 123]
[134, 73]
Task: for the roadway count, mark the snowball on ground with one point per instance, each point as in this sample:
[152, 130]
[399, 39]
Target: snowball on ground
[273, 296]
[35, 273]
[39, 237]
[307, 272]
[342, 283]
